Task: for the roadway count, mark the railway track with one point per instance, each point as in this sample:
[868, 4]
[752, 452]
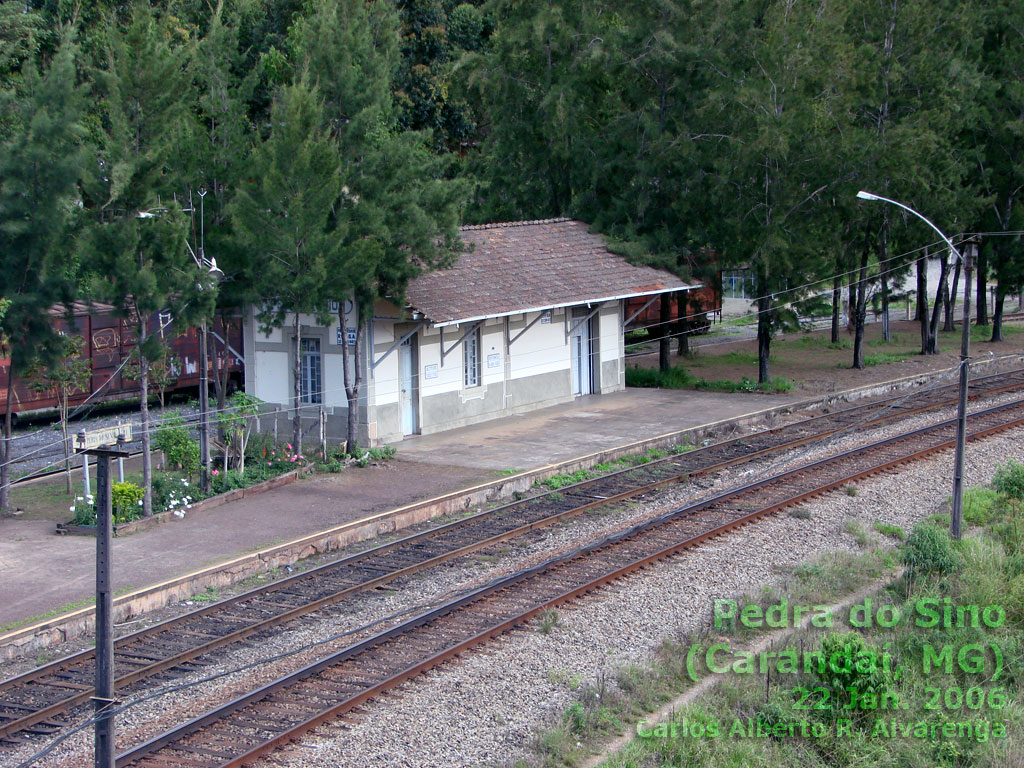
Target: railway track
[31, 704]
[259, 722]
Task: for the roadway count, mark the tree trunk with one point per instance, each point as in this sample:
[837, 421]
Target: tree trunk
[921, 313]
[67, 445]
[951, 299]
[886, 330]
[941, 299]
[665, 340]
[353, 380]
[5, 468]
[883, 267]
[861, 307]
[922, 302]
[764, 336]
[682, 324]
[218, 386]
[982, 265]
[851, 316]
[147, 459]
[297, 388]
[837, 299]
[997, 315]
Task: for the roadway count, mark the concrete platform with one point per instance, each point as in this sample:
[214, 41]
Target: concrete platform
[586, 425]
[42, 573]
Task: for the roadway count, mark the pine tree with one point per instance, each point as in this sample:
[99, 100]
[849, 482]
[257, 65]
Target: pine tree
[40, 162]
[397, 212]
[136, 243]
[282, 217]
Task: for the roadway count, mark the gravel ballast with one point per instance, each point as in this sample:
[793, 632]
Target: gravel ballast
[485, 708]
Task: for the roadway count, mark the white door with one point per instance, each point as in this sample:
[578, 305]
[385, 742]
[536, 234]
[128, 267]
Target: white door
[409, 394]
[580, 344]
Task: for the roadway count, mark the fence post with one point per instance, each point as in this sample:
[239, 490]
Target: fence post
[276, 410]
[323, 433]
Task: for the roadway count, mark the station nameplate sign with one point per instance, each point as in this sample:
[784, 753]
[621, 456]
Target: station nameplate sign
[95, 438]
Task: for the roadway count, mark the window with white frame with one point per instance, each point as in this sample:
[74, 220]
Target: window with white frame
[471, 359]
[311, 381]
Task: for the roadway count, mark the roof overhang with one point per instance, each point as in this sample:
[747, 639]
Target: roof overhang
[560, 305]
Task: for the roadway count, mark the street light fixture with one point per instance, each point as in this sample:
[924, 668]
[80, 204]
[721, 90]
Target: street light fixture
[209, 265]
[956, 516]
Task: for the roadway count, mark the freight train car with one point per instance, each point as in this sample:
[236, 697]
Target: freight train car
[703, 307]
[110, 341]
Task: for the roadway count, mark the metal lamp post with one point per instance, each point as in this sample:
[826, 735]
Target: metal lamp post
[209, 267]
[956, 517]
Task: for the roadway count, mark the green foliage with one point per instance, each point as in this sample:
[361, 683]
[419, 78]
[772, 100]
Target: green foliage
[979, 505]
[892, 531]
[929, 550]
[677, 377]
[560, 481]
[223, 482]
[179, 447]
[383, 452]
[848, 682]
[1009, 479]
[126, 500]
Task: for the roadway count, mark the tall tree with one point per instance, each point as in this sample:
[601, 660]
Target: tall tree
[282, 215]
[41, 159]
[772, 119]
[396, 212]
[999, 148]
[137, 242]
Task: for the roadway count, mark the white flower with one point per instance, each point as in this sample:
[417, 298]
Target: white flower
[188, 506]
[140, 502]
[71, 509]
[79, 498]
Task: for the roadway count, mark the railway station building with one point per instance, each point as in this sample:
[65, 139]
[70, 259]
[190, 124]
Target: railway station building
[531, 316]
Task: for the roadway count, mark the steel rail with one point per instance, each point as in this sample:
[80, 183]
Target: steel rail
[143, 671]
[802, 473]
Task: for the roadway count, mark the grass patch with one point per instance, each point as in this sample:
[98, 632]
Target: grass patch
[507, 472]
[209, 596]
[10, 626]
[890, 531]
[677, 377]
[858, 532]
[555, 482]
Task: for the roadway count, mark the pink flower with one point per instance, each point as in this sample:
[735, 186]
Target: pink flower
[293, 458]
[268, 463]
[288, 446]
[216, 472]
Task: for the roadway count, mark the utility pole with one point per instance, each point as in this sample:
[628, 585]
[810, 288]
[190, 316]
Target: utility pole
[956, 519]
[103, 699]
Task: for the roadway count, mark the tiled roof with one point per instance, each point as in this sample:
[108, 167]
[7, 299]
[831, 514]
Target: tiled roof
[531, 265]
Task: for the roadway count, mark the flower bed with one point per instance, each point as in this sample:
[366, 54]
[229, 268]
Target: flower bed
[174, 496]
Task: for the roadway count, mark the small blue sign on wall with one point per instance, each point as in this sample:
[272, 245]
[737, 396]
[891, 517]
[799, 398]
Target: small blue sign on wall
[351, 336]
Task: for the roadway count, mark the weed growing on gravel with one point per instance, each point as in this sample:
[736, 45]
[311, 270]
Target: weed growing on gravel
[850, 490]
[800, 513]
[856, 530]
[560, 481]
[892, 531]
[547, 620]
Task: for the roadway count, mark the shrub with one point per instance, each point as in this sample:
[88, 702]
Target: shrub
[1009, 479]
[929, 550]
[82, 511]
[383, 453]
[177, 444]
[126, 501]
[228, 481]
[980, 504]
